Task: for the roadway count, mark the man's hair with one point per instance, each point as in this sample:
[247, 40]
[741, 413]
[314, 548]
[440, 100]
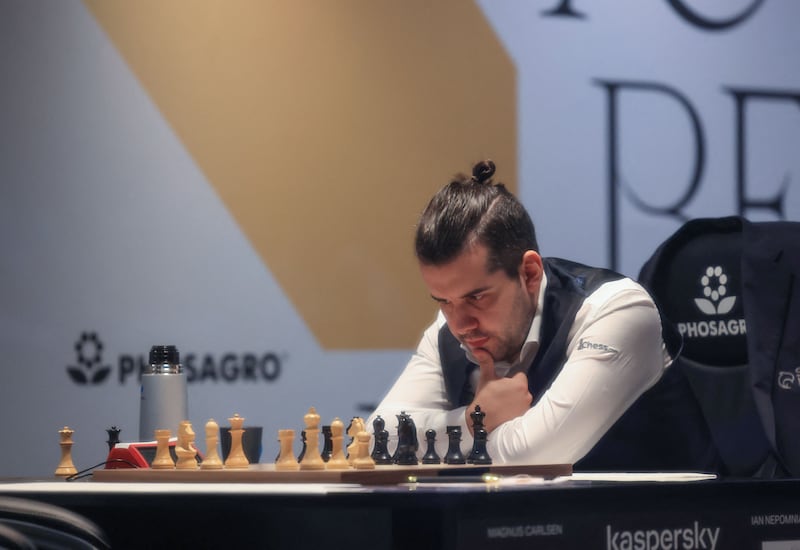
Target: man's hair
[475, 210]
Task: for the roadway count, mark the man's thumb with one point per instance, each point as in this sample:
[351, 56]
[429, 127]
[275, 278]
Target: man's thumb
[486, 364]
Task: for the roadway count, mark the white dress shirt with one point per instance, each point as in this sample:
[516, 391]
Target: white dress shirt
[614, 353]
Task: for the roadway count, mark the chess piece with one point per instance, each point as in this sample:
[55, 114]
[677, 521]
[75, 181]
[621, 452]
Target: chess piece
[454, 455]
[236, 457]
[312, 460]
[163, 459]
[65, 466]
[212, 460]
[303, 448]
[430, 456]
[185, 449]
[337, 461]
[407, 443]
[113, 437]
[380, 453]
[362, 460]
[356, 426]
[478, 455]
[286, 460]
[327, 444]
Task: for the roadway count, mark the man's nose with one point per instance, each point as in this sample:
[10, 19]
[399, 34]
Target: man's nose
[462, 321]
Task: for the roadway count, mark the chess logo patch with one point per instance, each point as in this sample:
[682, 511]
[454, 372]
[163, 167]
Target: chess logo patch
[715, 288]
[586, 344]
[89, 352]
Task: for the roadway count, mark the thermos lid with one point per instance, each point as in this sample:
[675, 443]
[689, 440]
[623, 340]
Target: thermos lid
[160, 355]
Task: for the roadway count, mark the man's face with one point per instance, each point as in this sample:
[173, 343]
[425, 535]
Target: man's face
[489, 313]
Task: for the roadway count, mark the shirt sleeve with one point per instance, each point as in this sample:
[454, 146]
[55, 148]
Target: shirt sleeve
[420, 392]
[615, 352]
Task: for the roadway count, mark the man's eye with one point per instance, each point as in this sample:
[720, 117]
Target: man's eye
[476, 297]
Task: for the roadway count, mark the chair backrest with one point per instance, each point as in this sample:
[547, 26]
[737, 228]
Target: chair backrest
[45, 525]
[695, 277]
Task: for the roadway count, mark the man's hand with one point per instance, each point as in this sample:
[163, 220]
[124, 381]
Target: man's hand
[500, 398]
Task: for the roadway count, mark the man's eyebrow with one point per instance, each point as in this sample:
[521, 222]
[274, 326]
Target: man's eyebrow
[468, 294]
[475, 291]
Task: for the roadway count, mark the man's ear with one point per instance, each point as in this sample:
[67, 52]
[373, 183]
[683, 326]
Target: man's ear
[531, 271]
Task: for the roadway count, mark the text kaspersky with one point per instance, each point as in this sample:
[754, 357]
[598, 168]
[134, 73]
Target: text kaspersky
[676, 538]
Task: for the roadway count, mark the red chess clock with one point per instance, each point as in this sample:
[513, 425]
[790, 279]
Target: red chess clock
[135, 455]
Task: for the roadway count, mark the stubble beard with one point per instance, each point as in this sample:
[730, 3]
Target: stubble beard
[506, 348]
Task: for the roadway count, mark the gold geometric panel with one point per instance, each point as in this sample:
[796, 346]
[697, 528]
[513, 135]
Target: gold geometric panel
[325, 127]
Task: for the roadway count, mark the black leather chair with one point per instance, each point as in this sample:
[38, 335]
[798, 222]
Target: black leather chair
[702, 279]
[26, 523]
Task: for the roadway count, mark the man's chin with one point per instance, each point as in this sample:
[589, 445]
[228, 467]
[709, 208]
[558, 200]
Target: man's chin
[482, 355]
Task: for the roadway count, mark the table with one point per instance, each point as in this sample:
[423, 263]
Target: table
[579, 511]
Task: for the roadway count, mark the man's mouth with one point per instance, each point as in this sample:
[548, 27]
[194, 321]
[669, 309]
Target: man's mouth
[475, 343]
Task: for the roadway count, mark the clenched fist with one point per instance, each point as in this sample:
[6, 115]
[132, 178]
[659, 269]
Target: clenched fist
[500, 398]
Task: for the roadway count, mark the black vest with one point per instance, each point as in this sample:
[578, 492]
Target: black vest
[662, 430]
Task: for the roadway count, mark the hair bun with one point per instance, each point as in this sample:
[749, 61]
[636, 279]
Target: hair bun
[483, 171]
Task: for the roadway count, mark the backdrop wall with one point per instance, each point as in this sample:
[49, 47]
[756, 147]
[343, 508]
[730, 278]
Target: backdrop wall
[242, 180]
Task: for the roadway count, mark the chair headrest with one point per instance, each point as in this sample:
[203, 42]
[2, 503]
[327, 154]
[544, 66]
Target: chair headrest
[695, 278]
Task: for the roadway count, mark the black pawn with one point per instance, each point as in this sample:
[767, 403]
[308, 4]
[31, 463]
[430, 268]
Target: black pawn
[380, 453]
[113, 437]
[454, 455]
[303, 450]
[327, 445]
[430, 455]
[480, 435]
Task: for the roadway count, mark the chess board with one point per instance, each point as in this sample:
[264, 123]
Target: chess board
[381, 475]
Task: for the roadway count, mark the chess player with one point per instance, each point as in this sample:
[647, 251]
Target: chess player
[554, 352]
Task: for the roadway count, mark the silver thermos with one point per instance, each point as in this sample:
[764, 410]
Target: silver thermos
[164, 400]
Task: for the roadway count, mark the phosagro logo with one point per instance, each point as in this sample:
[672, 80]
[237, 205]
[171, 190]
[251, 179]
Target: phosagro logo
[714, 301]
[715, 288]
[228, 367]
[89, 350]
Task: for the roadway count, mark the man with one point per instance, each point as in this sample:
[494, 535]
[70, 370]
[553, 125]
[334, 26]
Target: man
[553, 352]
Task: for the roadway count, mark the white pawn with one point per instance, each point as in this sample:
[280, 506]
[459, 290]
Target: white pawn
[337, 460]
[212, 461]
[163, 459]
[312, 459]
[356, 426]
[362, 460]
[286, 460]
